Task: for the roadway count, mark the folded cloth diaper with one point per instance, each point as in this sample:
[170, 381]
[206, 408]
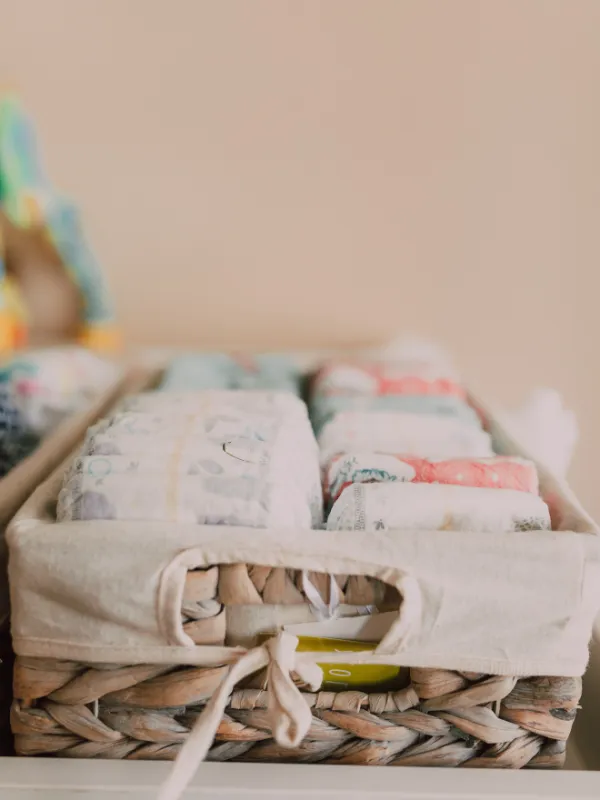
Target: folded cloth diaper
[423, 435]
[421, 506]
[223, 371]
[500, 472]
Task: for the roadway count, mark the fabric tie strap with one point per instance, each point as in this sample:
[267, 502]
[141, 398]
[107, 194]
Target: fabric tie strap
[321, 609]
[290, 716]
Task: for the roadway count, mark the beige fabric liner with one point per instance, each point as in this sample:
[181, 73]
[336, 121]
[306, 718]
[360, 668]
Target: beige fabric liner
[110, 592]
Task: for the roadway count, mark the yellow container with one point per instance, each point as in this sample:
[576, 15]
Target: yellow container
[338, 677]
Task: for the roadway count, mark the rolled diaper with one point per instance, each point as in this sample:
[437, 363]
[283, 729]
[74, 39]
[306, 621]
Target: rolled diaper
[325, 407]
[186, 436]
[427, 507]
[196, 402]
[372, 378]
[240, 457]
[423, 435]
[234, 459]
[227, 424]
[223, 371]
[174, 419]
[247, 500]
[232, 467]
[239, 460]
[500, 472]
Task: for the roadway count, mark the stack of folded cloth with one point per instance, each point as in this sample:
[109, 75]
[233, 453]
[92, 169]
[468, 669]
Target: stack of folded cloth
[197, 371]
[38, 389]
[245, 458]
[401, 448]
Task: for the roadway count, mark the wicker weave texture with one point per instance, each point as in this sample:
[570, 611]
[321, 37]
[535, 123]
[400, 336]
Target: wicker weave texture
[441, 718]
[207, 591]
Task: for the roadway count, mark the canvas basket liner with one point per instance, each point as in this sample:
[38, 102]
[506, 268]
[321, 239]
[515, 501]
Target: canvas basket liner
[506, 604]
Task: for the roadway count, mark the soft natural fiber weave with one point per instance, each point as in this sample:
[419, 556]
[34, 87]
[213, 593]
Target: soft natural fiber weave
[440, 718]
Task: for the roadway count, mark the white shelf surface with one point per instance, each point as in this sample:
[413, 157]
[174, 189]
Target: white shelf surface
[55, 779]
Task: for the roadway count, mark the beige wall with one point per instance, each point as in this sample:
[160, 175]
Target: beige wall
[282, 172]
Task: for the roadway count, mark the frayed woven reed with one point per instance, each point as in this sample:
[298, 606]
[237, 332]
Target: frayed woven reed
[440, 718]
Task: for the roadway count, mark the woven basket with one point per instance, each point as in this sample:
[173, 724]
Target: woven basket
[429, 717]
[439, 718]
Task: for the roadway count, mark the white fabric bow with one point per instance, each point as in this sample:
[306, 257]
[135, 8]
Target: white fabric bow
[289, 714]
